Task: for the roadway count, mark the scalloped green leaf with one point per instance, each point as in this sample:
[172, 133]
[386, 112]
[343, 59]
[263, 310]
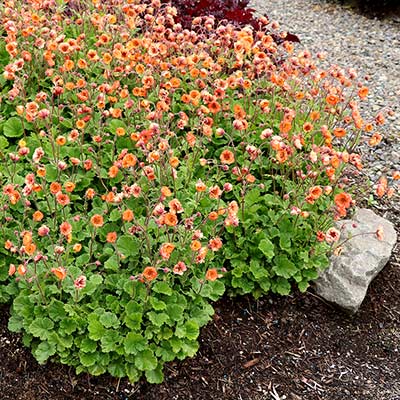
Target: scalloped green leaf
[145, 360]
[13, 127]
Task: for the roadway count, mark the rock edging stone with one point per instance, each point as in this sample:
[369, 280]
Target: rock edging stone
[363, 256]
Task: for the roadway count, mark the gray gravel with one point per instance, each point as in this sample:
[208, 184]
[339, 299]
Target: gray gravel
[349, 39]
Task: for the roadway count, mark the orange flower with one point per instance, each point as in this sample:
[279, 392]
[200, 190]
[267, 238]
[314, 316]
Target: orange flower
[215, 244]
[343, 200]
[65, 228]
[61, 140]
[113, 171]
[166, 249]
[227, 157]
[150, 273]
[212, 275]
[308, 127]
[21, 270]
[120, 131]
[127, 215]
[90, 193]
[30, 248]
[332, 99]
[59, 272]
[69, 186]
[195, 245]
[111, 237]
[200, 186]
[213, 215]
[55, 187]
[77, 247]
[41, 172]
[339, 132]
[97, 220]
[62, 199]
[363, 92]
[170, 219]
[165, 191]
[37, 216]
[315, 192]
[174, 162]
[80, 124]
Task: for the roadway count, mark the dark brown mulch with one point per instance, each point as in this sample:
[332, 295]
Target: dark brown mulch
[297, 347]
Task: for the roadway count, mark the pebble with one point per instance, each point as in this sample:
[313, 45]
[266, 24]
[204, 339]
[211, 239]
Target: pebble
[350, 39]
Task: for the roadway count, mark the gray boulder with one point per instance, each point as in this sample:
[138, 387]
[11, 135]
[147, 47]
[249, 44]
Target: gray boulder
[363, 256]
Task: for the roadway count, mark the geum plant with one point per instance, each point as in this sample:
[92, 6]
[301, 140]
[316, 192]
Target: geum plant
[145, 167]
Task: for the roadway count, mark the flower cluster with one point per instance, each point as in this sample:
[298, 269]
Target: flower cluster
[141, 163]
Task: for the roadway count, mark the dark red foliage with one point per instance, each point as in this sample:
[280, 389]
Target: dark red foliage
[233, 11]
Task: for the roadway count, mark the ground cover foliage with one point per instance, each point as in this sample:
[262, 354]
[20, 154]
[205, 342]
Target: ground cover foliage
[147, 169]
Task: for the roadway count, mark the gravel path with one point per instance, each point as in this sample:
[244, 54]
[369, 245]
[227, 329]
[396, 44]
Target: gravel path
[352, 40]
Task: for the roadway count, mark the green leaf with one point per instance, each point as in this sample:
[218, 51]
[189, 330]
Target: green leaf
[109, 341]
[134, 342]
[87, 359]
[109, 320]
[15, 323]
[132, 373]
[112, 263]
[145, 360]
[157, 304]
[284, 267]
[282, 286]
[257, 269]
[303, 286]
[163, 288]
[3, 143]
[175, 312]
[68, 325]
[13, 127]
[115, 215]
[267, 248]
[51, 173]
[96, 329]
[96, 369]
[87, 345]
[41, 327]
[190, 330]
[128, 246]
[56, 310]
[213, 290]
[155, 375]
[44, 351]
[158, 319]
[133, 321]
[252, 197]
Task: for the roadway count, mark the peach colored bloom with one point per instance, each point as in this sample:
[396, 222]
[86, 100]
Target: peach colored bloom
[65, 228]
[111, 237]
[166, 249]
[97, 221]
[77, 247]
[37, 216]
[150, 273]
[59, 272]
[227, 157]
[212, 275]
[127, 215]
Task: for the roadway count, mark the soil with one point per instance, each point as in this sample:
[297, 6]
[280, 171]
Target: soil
[296, 347]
